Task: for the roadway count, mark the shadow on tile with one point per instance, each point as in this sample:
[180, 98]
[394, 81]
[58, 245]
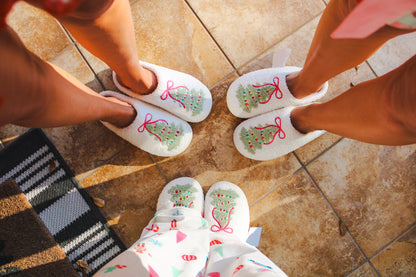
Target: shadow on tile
[130, 184]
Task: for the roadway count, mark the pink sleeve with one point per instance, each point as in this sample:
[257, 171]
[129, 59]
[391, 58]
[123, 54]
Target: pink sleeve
[370, 15]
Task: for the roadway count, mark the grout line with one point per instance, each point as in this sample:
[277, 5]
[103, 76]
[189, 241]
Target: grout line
[158, 167]
[103, 163]
[394, 240]
[273, 45]
[210, 35]
[82, 55]
[276, 186]
[61, 53]
[224, 79]
[338, 217]
[371, 68]
[356, 269]
[322, 153]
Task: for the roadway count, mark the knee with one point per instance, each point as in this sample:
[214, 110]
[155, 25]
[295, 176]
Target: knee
[87, 11]
[398, 111]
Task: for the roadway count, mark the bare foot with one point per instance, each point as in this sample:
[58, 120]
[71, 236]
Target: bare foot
[126, 115]
[297, 87]
[299, 118]
[146, 85]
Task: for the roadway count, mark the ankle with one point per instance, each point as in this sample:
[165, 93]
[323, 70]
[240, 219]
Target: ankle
[300, 119]
[144, 82]
[124, 114]
[299, 87]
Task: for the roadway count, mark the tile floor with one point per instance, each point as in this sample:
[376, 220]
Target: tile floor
[335, 207]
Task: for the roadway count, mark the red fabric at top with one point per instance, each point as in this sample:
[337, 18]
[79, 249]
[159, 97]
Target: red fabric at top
[54, 7]
[370, 15]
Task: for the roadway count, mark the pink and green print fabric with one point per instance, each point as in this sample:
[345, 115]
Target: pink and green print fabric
[167, 134]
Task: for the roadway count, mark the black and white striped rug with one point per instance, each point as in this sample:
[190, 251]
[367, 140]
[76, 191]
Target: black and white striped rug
[61, 203]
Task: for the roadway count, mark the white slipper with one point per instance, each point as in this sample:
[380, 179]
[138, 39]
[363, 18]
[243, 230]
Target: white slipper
[179, 93]
[182, 192]
[226, 210]
[271, 135]
[153, 130]
[265, 90]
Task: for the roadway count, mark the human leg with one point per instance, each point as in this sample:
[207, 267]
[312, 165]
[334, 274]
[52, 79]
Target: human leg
[174, 242]
[105, 28]
[329, 57]
[38, 94]
[227, 215]
[379, 111]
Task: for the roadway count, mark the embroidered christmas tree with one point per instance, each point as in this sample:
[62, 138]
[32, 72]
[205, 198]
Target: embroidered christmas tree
[224, 203]
[189, 99]
[182, 195]
[253, 95]
[168, 134]
[254, 138]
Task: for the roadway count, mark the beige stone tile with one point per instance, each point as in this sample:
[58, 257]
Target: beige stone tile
[130, 185]
[245, 29]
[39, 31]
[101, 69]
[298, 42]
[371, 187]
[73, 63]
[399, 259]
[311, 150]
[394, 53]
[85, 146]
[364, 270]
[175, 40]
[212, 156]
[300, 233]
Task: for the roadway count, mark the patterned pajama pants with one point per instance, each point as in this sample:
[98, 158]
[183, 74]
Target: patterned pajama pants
[177, 242]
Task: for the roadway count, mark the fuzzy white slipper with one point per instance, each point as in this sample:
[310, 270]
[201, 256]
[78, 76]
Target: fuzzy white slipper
[265, 90]
[178, 93]
[183, 192]
[226, 210]
[269, 136]
[153, 130]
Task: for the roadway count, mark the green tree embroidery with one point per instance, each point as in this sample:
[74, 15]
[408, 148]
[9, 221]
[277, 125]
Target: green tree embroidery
[253, 95]
[182, 195]
[189, 99]
[255, 137]
[168, 134]
[224, 203]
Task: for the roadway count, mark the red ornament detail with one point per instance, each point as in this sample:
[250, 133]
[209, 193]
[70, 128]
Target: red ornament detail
[279, 131]
[189, 257]
[276, 91]
[238, 268]
[214, 242]
[148, 120]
